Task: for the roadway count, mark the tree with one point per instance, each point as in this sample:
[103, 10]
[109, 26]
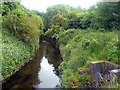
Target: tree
[54, 10]
[23, 23]
[105, 15]
[58, 21]
[7, 7]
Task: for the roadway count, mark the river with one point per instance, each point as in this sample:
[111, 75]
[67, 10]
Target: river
[41, 72]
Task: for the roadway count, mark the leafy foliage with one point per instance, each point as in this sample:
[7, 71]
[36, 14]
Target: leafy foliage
[21, 31]
[23, 23]
[89, 35]
[102, 16]
[58, 21]
[107, 15]
[81, 46]
[14, 53]
[83, 36]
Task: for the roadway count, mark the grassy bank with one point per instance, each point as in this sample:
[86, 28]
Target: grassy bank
[79, 47]
[14, 53]
[21, 29]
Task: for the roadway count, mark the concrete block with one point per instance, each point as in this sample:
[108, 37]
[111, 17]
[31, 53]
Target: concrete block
[96, 68]
[116, 74]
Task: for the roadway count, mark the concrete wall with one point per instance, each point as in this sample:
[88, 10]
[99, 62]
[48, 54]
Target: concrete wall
[104, 69]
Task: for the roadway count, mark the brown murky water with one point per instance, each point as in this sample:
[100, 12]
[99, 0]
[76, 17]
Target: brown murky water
[41, 72]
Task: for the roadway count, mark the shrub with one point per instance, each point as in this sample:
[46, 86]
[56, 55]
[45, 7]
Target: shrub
[83, 46]
[14, 53]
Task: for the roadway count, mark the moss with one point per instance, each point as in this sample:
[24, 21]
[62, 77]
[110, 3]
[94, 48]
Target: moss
[103, 63]
[112, 63]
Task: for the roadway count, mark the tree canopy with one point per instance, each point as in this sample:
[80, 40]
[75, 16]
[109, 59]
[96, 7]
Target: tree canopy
[21, 22]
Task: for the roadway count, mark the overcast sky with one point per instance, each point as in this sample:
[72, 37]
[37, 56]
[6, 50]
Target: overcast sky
[42, 5]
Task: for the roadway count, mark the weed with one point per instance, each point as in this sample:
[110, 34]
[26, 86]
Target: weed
[83, 46]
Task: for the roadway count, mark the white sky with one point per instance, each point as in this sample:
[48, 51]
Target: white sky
[42, 5]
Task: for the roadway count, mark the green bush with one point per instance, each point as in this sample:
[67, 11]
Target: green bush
[83, 46]
[27, 28]
[21, 30]
[23, 23]
[14, 53]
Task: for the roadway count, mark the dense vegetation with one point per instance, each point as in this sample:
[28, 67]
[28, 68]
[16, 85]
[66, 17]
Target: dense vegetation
[83, 36]
[102, 16]
[15, 53]
[21, 30]
[79, 48]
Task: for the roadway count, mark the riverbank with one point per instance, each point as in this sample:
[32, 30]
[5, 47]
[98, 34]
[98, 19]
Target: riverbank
[79, 47]
[44, 67]
[21, 29]
[15, 53]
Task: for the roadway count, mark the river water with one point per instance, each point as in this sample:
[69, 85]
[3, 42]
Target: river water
[41, 72]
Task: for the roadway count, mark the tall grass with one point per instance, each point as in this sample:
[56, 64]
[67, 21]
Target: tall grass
[110, 81]
[82, 46]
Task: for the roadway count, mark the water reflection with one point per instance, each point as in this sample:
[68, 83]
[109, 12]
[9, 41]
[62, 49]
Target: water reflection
[46, 75]
[41, 72]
